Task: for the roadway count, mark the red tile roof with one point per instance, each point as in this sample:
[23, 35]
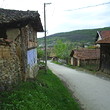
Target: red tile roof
[85, 54]
[105, 35]
[106, 40]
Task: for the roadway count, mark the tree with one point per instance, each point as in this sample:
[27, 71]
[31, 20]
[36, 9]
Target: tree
[62, 50]
[40, 53]
[59, 49]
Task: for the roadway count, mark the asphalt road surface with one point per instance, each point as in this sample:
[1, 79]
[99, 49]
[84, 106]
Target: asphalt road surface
[92, 92]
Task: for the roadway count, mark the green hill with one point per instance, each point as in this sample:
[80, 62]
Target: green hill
[86, 36]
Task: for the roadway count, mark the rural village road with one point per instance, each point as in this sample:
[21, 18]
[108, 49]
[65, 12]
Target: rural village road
[92, 92]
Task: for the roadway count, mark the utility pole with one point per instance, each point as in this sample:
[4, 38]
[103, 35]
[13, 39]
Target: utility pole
[45, 40]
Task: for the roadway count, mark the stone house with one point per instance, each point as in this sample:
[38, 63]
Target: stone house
[84, 57]
[18, 43]
[103, 39]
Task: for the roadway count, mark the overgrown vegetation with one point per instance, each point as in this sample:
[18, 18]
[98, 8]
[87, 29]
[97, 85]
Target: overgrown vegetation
[45, 93]
[40, 52]
[91, 67]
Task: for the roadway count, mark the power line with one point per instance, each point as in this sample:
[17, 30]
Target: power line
[89, 6]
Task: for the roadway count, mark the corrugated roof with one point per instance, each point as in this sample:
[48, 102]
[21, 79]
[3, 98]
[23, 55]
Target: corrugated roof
[85, 54]
[10, 17]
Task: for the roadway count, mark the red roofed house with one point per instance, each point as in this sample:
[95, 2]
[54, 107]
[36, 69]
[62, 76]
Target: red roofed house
[103, 38]
[83, 57]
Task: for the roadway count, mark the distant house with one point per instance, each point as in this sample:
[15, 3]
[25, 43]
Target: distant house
[103, 38]
[83, 57]
[18, 43]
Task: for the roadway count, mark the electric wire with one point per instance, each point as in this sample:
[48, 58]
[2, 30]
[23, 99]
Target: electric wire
[89, 6]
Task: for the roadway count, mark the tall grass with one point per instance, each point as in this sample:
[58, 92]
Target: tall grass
[45, 93]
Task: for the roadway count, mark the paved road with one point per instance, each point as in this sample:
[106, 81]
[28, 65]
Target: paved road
[92, 92]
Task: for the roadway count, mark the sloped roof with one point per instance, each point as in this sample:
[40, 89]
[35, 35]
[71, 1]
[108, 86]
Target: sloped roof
[16, 18]
[105, 37]
[104, 34]
[106, 40]
[85, 54]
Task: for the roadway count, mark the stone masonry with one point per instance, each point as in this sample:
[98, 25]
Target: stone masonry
[10, 72]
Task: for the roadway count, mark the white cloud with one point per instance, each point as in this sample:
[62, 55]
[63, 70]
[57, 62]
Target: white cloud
[60, 20]
[85, 18]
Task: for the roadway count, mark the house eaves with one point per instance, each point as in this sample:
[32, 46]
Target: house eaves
[104, 41]
[17, 19]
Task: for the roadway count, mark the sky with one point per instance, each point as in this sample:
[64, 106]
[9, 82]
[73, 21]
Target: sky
[65, 15]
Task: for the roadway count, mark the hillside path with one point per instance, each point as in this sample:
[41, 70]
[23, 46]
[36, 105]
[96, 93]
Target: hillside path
[92, 92]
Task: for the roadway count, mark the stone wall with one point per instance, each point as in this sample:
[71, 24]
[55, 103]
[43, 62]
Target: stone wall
[13, 57]
[10, 72]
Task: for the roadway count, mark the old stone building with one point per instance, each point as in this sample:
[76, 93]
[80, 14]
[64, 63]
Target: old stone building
[18, 43]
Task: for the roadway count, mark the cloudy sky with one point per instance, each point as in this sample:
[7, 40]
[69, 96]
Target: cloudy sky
[66, 15]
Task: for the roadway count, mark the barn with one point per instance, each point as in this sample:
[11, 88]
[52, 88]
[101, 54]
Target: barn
[85, 57]
[103, 39]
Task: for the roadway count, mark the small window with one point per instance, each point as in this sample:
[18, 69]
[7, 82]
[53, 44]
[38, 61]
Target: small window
[3, 33]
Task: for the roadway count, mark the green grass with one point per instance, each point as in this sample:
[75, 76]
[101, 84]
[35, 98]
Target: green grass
[66, 65]
[91, 67]
[56, 62]
[45, 93]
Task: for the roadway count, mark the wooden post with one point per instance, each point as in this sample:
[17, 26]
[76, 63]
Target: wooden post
[24, 53]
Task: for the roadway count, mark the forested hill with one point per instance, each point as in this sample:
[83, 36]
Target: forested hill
[86, 35]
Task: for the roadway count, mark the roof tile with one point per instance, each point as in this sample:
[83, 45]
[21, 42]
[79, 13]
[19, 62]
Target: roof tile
[87, 54]
[105, 35]
[8, 17]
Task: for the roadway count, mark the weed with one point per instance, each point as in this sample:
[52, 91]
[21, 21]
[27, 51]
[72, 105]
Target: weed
[45, 93]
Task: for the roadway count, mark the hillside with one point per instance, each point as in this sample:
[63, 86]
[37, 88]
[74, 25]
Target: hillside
[86, 35]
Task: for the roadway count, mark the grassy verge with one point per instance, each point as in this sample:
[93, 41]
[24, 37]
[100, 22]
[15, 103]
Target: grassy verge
[90, 68]
[45, 93]
[57, 62]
